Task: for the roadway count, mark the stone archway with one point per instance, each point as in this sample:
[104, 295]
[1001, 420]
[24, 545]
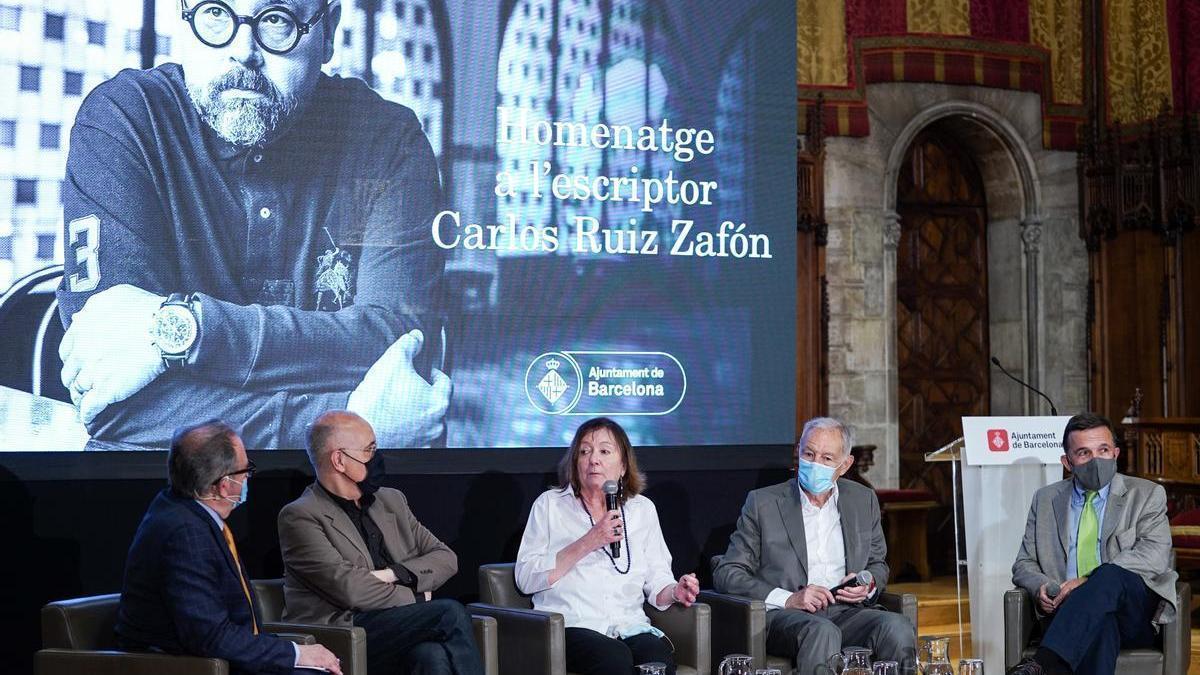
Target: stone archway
[1036, 315]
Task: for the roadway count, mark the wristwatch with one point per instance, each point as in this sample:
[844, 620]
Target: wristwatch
[176, 328]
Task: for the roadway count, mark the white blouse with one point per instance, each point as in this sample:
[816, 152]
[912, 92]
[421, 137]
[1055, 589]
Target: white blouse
[593, 594]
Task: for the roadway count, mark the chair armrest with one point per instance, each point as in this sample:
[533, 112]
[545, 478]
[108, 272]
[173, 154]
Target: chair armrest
[294, 637]
[1018, 625]
[72, 661]
[900, 603]
[534, 642]
[690, 631]
[741, 627]
[486, 628]
[348, 643]
[1177, 635]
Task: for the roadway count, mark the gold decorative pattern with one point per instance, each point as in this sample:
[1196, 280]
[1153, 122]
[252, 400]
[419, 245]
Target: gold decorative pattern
[821, 42]
[1138, 72]
[1057, 25]
[945, 17]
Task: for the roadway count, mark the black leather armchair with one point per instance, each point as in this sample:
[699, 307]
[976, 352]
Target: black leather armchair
[78, 637]
[533, 642]
[1171, 658]
[349, 643]
[741, 626]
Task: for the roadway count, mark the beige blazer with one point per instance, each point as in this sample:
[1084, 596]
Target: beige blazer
[327, 567]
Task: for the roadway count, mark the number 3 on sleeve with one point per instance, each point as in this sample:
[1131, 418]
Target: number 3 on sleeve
[84, 237]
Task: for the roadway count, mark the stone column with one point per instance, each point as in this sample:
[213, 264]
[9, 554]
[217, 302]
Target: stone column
[1031, 237]
[891, 242]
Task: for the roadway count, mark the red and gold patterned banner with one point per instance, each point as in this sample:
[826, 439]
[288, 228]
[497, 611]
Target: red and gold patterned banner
[1025, 45]
[1138, 60]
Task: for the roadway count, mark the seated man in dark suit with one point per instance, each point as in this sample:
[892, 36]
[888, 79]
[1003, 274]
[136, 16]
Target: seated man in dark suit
[185, 590]
[1096, 558]
[798, 540]
[354, 553]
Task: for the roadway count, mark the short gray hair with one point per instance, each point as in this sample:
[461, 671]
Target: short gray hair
[827, 423]
[200, 455]
[320, 431]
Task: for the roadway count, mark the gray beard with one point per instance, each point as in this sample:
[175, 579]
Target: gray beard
[241, 121]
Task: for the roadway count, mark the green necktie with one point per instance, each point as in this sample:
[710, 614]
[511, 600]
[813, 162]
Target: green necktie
[1089, 534]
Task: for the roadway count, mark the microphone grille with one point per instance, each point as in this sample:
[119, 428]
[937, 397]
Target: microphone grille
[610, 487]
[865, 578]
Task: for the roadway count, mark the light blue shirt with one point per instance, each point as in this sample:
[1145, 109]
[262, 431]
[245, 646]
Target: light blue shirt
[1077, 500]
[221, 524]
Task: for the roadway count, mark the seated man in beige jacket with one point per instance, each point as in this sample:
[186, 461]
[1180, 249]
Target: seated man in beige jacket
[353, 553]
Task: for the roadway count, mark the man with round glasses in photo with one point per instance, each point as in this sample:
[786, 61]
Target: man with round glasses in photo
[247, 237]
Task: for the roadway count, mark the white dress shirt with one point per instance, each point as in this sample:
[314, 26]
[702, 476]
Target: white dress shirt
[593, 594]
[825, 544]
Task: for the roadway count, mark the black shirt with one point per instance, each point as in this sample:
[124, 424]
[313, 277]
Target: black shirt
[309, 255]
[371, 534]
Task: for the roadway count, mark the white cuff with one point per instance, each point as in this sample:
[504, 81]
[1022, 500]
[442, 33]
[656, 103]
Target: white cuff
[777, 598]
[296, 647]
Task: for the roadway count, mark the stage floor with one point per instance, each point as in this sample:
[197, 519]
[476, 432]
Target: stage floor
[937, 610]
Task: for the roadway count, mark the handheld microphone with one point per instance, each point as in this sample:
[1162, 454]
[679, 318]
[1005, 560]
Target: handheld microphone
[1053, 589]
[1023, 383]
[863, 578]
[610, 503]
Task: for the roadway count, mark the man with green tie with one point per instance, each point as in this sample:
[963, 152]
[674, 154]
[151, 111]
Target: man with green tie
[1096, 558]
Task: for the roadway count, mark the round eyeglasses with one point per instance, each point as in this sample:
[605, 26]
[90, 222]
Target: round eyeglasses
[276, 29]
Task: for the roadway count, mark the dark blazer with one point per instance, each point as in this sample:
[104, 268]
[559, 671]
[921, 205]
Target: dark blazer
[327, 566]
[768, 549]
[182, 594]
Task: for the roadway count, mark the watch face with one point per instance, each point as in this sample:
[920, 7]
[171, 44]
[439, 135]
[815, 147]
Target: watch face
[174, 329]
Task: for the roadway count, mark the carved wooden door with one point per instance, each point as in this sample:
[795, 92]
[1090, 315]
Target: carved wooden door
[942, 306]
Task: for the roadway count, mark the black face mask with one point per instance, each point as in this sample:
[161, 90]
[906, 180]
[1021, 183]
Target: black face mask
[371, 483]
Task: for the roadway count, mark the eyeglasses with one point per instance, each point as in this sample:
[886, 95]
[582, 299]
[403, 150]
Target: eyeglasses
[276, 29]
[370, 450]
[249, 471]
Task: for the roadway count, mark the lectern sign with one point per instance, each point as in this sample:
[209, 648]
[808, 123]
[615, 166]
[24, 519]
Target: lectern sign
[1012, 440]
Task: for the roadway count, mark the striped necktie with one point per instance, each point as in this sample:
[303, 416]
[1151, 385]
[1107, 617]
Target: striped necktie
[237, 562]
[1089, 534]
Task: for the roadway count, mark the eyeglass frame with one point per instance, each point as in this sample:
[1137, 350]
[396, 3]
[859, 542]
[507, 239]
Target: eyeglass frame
[373, 447]
[249, 471]
[302, 27]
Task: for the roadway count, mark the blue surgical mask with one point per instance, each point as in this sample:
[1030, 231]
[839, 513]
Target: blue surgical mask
[243, 496]
[815, 478]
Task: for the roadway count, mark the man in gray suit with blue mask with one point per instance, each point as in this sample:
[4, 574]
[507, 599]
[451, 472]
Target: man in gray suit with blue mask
[1102, 541]
[798, 541]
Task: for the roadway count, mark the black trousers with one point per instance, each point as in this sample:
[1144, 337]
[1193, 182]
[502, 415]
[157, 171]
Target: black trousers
[431, 638]
[592, 653]
[1112, 610]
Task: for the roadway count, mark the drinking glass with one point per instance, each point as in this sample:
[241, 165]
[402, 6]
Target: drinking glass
[970, 667]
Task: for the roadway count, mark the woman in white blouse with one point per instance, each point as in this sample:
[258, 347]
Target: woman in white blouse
[566, 563]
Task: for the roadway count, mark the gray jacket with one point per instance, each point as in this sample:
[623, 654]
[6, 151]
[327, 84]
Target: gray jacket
[1135, 534]
[768, 550]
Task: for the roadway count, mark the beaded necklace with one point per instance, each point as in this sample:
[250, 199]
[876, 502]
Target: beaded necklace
[625, 528]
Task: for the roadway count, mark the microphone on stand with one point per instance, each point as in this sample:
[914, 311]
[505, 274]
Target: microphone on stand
[863, 578]
[610, 503]
[1023, 383]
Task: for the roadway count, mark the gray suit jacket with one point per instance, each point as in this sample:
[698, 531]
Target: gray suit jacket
[1135, 534]
[768, 550]
[327, 567]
